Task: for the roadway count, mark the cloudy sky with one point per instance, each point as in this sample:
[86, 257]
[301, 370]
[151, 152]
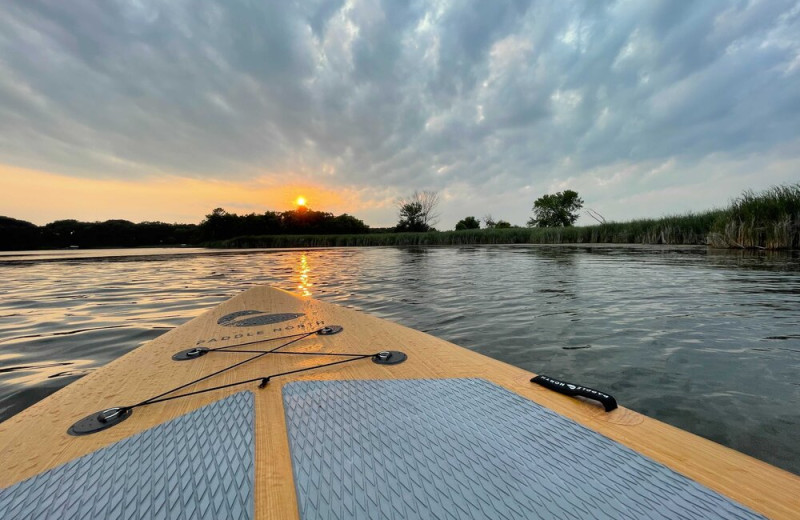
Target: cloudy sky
[164, 110]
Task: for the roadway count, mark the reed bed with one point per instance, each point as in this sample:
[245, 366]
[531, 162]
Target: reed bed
[685, 229]
[765, 220]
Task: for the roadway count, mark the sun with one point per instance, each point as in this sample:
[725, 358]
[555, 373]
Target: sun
[301, 201]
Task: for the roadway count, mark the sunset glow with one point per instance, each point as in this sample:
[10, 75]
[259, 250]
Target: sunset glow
[301, 201]
[166, 198]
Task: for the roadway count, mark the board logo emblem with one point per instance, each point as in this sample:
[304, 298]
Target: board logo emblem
[252, 318]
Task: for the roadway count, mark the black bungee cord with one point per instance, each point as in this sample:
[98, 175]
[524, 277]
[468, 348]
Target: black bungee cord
[111, 416]
[260, 354]
[264, 381]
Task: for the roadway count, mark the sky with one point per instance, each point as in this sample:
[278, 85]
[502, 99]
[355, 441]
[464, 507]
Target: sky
[164, 110]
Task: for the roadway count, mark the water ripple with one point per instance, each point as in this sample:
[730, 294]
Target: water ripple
[705, 341]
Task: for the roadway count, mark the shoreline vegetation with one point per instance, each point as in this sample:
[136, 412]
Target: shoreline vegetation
[766, 220]
[769, 220]
[687, 230]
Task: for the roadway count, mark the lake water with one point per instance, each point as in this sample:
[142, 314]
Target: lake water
[707, 341]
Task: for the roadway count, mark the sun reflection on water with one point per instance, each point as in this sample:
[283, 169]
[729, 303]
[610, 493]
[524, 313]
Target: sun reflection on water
[304, 269]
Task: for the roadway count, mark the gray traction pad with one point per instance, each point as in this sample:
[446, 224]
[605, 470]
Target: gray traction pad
[466, 448]
[199, 465]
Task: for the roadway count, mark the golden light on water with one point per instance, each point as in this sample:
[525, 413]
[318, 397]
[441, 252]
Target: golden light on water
[304, 271]
[35, 374]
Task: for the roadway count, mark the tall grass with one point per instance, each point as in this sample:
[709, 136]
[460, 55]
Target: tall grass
[765, 220]
[685, 229]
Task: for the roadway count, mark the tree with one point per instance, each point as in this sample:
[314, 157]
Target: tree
[502, 224]
[468, 223]
[18, 234]
[411, 218]
[488, 221]
[556, 210]
[218, 225]
[418, 212]
[429, 201]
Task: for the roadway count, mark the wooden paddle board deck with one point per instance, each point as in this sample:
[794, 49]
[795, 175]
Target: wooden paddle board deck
[36, 440]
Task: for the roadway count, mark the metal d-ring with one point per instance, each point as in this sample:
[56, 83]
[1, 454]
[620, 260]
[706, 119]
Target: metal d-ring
[111, 413]
[389, 357]
[190, 353]
[330, 330]
[101, 420]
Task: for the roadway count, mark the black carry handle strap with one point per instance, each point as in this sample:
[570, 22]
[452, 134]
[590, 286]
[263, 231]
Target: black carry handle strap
[562, 387]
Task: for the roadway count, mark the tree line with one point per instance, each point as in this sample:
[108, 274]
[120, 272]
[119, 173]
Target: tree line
[218, 225]
[416, 213]
[221, 225]
[19, 234]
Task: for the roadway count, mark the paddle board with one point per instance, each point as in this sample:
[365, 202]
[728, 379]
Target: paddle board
[274, 405]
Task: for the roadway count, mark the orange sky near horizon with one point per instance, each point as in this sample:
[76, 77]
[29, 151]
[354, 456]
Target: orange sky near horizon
[42, 197]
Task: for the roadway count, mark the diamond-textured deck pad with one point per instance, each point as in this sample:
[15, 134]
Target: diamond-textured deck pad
[466, 448]
[197, 466]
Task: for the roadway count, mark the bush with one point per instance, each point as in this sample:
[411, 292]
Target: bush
[468, 223]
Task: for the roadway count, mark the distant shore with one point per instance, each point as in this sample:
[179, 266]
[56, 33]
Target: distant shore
[769, 220]
[688, 230]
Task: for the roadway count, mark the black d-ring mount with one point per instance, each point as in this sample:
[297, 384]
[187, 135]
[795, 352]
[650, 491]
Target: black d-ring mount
[389, 357]
[330, 330]
[190, 353]
[99, 421]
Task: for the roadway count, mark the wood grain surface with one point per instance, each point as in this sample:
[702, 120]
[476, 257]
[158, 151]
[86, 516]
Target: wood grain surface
[35, 440]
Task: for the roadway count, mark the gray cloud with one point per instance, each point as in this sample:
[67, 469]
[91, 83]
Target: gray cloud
[488, 98]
